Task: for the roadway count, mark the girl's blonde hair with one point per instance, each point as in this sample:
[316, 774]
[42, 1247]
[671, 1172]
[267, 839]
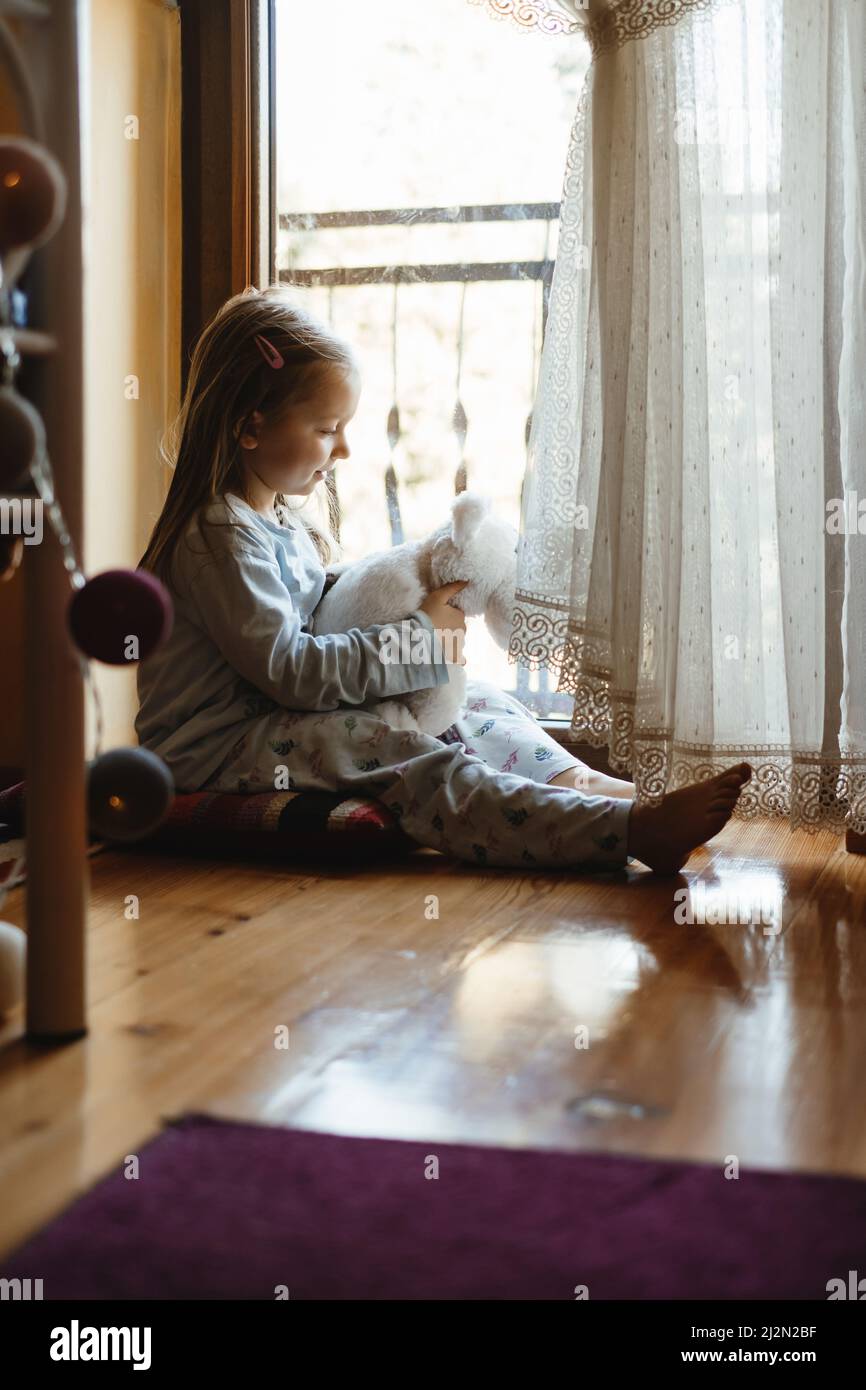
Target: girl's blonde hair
[229, 378]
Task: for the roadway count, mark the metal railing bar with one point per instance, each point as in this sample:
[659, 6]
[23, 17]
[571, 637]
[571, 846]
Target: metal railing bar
[456, 272]
[383, 217]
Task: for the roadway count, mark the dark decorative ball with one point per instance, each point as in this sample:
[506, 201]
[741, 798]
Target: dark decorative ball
[120, 616]
[32, 193]
[129, 792]
[22, 437]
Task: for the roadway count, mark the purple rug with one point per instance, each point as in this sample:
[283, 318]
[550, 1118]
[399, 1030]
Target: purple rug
[233, 1211]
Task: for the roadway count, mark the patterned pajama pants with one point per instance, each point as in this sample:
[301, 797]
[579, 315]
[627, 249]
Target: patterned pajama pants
[479, 792]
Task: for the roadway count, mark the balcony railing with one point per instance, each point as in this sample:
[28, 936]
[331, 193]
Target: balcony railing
[460, 272]
[430, 273]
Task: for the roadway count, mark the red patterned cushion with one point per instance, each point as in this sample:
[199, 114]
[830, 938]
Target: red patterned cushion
[260, 825]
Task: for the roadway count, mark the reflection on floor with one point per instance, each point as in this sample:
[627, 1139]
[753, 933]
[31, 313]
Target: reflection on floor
[720, 1013]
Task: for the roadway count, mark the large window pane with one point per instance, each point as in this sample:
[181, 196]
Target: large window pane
[412, 105]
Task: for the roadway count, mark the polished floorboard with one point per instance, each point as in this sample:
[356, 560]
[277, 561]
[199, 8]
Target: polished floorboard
[431, 1000]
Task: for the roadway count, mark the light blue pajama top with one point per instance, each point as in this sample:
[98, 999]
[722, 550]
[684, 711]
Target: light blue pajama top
[239, 645]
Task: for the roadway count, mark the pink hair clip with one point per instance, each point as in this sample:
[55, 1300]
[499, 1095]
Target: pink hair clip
[269, 352]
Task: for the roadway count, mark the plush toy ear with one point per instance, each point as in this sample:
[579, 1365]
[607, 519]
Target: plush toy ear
[467, 513]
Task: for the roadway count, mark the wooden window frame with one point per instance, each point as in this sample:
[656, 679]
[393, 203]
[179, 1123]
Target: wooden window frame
[227, 156]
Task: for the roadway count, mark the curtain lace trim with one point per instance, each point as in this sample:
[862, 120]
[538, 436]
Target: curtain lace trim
[813, 790]
[532, 16]
[624, 21]
[636, 19]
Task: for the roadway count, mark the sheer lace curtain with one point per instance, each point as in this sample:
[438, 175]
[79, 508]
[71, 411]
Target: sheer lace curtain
[693, 553]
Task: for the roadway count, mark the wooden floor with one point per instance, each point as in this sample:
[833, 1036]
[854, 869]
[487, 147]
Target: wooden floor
[704, 1041]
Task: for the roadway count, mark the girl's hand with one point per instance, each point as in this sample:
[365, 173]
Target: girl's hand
[332, 574]
[447, 619]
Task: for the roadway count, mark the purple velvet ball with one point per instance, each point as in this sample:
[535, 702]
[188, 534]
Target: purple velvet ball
[129, 792]
[120, 616]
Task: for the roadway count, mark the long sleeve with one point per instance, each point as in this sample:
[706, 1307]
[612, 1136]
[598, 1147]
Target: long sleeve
[244, 602]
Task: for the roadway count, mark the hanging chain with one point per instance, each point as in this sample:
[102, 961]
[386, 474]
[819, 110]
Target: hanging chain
[42, 475]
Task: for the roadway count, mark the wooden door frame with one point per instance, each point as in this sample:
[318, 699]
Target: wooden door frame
[226, 156]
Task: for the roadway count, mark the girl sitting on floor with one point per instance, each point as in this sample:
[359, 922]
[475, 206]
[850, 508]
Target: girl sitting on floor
[243, 698]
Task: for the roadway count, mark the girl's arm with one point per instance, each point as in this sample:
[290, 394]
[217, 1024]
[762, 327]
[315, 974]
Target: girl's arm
[244, 606]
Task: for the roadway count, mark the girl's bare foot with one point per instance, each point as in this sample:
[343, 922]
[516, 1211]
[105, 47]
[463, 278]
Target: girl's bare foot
[663, 836]
[585, 779]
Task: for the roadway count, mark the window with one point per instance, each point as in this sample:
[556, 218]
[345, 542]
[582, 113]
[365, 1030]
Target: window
[418, 159]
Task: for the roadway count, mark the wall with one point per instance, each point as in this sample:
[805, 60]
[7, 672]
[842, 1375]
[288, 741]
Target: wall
[132, 302]
[132, 320]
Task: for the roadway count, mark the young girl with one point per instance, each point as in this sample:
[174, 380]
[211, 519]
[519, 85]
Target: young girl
[242, 698]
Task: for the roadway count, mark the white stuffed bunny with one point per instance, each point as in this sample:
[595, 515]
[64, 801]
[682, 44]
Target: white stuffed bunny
[390, 584]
